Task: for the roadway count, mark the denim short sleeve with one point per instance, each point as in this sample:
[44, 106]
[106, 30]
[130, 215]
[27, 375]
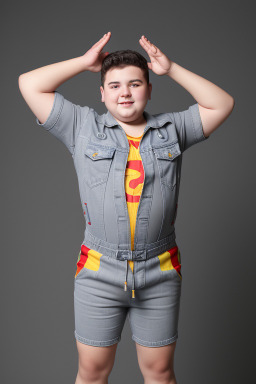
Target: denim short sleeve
[65, 120]
[189, 127]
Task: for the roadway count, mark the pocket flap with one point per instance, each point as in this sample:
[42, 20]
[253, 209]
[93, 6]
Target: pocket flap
[169, 152]
[97, 152]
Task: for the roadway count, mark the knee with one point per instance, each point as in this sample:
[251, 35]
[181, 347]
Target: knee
[93, 371]
[158, 372]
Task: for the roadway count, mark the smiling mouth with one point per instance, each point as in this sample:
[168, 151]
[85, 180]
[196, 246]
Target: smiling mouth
[127, 102]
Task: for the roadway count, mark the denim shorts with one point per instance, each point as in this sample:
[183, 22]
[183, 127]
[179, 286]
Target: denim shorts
[151, 298]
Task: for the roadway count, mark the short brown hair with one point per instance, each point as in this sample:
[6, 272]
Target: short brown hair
[122, 59]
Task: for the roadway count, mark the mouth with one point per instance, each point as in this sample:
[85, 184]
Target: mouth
[127, 102]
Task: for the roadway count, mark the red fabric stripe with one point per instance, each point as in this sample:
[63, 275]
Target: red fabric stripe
[137, 166]
[83, 258]
[134, 143]
[174, 259]
[131, 198]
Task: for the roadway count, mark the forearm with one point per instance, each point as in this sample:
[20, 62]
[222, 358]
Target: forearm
[206, 94]
[50, 77]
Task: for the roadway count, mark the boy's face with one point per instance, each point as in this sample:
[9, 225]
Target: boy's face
[119, 86]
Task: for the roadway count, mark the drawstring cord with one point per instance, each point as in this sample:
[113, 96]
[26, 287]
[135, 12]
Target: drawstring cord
[133, 282]
[133, 288]
[125, 283]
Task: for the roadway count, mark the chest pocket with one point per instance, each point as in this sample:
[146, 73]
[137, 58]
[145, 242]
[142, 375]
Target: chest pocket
[167, 160]
[98, 160]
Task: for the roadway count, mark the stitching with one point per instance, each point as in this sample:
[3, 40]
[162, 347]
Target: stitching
[97, 342]
[171, 144]
[155, 342]
[51, 113]
[78, 134]
[59, 113]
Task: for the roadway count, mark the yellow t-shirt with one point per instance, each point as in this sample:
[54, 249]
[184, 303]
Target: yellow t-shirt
[134, 179]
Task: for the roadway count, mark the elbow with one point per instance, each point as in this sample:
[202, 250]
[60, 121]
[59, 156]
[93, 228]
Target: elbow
[20, 76]
[230, 105]
[24, 82]
[20, 80]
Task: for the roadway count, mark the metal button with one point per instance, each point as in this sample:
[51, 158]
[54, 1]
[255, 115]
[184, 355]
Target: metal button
[101, 135]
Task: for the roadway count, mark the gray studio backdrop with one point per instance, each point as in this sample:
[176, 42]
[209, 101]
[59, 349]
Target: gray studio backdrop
[42, 219]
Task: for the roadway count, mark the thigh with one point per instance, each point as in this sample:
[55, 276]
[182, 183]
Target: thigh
[99, 304]
[95, 359]
[154, 313]
[155, 359]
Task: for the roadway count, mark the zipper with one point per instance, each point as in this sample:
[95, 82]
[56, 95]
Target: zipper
[135, 233]
[87, 214]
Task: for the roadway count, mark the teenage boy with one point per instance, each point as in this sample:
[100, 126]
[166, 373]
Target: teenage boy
[128, 164]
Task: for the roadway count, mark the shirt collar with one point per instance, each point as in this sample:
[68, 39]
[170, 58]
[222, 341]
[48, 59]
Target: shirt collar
[153, 121]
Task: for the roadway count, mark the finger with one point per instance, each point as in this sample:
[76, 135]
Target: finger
[150, 48]
[103, 41]
[143, 43]
[147, 48]
[149, 44]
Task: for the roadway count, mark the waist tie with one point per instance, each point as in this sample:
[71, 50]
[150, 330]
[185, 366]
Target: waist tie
[133, 281]
[131, 255]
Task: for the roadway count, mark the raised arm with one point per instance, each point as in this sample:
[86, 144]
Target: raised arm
[37, 86]
[214, 104]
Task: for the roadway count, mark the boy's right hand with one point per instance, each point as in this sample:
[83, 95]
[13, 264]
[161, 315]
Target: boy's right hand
[93, 57]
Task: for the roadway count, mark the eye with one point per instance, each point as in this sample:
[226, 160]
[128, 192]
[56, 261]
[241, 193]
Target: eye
[115, 86]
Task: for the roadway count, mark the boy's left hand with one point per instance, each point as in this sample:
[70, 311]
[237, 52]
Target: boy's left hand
[160, 64]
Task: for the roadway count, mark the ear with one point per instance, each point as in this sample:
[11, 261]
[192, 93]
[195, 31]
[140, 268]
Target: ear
[102, 94]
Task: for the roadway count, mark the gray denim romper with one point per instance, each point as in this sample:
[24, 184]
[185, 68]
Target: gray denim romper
[99, 148]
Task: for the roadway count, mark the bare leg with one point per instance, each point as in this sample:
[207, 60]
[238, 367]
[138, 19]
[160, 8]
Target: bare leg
[95, 363]
[156, 364]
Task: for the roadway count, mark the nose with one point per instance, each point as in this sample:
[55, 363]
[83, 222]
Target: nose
[125, 91]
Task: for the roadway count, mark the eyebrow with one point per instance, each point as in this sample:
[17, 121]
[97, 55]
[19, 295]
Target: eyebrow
[131, 81]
